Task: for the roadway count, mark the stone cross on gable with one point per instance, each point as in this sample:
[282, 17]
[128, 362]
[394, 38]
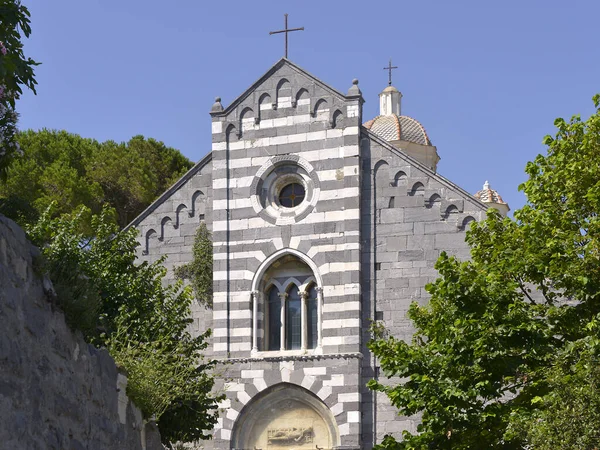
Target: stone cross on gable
[286, 30]
[389, 69]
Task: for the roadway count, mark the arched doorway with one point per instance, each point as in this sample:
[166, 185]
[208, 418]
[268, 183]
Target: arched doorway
[285, 417]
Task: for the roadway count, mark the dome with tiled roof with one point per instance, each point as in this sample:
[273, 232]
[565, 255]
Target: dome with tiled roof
[403, 132]
[394, 127]
[491, 197]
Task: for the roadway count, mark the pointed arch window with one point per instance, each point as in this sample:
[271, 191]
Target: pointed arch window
[293, 319]
[273, 332]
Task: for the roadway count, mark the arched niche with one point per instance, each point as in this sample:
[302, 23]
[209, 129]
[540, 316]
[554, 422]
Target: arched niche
[283, 417]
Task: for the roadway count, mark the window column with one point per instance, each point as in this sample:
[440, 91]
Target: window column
[319, 317]
[282, 296]
[255, 321]
[303, 320]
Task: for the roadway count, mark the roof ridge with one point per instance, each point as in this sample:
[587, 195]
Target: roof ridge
[442, 179]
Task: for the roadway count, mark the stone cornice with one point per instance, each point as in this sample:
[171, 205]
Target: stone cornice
[280, 358]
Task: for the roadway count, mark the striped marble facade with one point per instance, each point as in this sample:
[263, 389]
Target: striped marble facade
[370, 231]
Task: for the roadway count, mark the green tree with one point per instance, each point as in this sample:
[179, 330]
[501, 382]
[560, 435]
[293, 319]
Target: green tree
[124, 306]
[199, 271]
[15, 71]
[71, 171]
[493, 350]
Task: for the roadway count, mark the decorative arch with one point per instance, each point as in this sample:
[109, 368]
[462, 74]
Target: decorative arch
[266, 264]
[149, 235]
[417, 189]
[265, 419]
[451, 209]
[399, 178]
[320, 105]
[291, 319]
[336, 119]
[179, 213]
[247, 120]
[284, 90]
[434, 200]
[303, 95]
[165, 220]
[195, 197]
[466, 222]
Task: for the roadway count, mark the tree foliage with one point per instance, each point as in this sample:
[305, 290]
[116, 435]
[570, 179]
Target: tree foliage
[199, 271]
[505, 334]
[15, 71]
[68, 170]
[124, 306]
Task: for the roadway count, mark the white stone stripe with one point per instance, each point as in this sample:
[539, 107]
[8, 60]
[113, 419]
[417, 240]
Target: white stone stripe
[341, 323]
[233, 275]
[339, 193]
[324, 175]
[315, 371]
[295, 241]
[232, 414]
[237, 314]
[332, 194]
[341, 290]
[243, 397]
[234, 297]
[233, 204]
[312, 155]
[349, 397]
[336, 174]
[237, 332]
[298, 238]
[332, 248]
[341, 340]
[252, 373]
[241, 224]
[258, 254]
[217, 127]
[314, 217]
[221, 183]
[341, 307]
[308, 381]
[324, 392]
[285, 139]
[338, 267]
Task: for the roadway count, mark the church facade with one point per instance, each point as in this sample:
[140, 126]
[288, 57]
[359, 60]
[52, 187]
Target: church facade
[321, 224]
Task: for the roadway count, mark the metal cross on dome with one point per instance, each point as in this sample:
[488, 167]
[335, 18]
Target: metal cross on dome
[389, 69]
[286, 30]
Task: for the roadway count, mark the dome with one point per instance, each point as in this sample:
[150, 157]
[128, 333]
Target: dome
[488, 195]
[394, 127]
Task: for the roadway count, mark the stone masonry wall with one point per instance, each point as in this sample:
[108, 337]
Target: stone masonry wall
[56, 391]
[409, 216]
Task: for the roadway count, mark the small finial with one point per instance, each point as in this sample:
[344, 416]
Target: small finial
[217, 106]
[486, 185]
[354, 89]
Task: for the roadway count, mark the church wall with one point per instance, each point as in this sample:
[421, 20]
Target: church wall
[409, 215]
[169, 229]
[296, 123]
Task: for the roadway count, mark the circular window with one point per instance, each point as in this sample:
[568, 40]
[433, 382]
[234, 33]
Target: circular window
[291, 195]
[285, 190]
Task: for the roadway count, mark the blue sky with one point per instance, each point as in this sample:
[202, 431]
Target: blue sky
[486, 79]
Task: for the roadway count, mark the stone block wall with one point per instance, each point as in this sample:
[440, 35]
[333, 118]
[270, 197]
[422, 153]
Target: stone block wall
[409, 216]
[56, 391]
[334, 379]
[168, 228]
